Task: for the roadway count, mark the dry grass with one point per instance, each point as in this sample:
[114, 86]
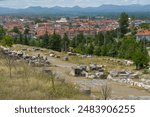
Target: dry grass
[79, 60]
[18, 47]
[31, 84]
[102, 61]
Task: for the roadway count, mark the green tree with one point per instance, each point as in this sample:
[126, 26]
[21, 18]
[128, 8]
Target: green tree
[104, 50]
[65, 43]
[90, 49]
[15, 40]
[55, 42]
[108, 38]
[32, 42]
[16, 30]
[80, 39]
[97, 50]
[112, 50]
[140, 59]
[123, 24]
[45, 40]
[127, 46]
[145, 26]
[2, 32]
[99, 39]
[81, 48]
[73, 42]
[26, 40]
[20, 39]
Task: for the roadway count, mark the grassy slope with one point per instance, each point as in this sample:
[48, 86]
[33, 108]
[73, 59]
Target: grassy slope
[30, 83]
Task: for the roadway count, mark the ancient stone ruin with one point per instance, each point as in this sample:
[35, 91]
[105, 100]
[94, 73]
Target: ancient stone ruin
[33, 60]
[92, 71]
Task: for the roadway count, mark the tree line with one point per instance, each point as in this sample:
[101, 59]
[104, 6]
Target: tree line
[116, 43]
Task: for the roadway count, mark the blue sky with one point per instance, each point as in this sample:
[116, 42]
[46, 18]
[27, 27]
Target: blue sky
[66, 3]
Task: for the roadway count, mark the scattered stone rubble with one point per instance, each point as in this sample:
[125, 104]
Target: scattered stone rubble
[71, 54]
[126, 77]
[119, 61]
[92, 71]
[33, 60]
[52, 54]
[123, 74]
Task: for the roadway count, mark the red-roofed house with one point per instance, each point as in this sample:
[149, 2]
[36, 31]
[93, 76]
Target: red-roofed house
[143, 35]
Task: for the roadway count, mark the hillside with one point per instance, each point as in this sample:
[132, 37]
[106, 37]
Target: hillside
[32, 83]
[27, 80]
[77, 9]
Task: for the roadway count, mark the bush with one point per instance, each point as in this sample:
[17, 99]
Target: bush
[140, 59]
[7, 41]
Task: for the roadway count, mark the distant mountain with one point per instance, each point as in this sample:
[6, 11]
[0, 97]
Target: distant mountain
[77, 9]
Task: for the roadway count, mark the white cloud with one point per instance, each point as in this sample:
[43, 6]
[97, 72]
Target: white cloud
[83, 3]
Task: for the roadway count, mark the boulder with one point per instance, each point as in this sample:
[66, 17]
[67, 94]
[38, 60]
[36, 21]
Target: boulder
[33, 57]
[35, 49]
[71, 54]
[83, 56]
[128, 63]
[47, 62]
[20, 54]
[84, 74]
[93, 67]
[91, 76]
[146, 87]
[86, 90]
[65, 58]
[147, 82]
[76, 71]
[89, 56]
[52, 55]
[123, 73]
[82, 67]
[134, 76]
[87, 68]
[113, 73]
[99, 74]
[109, 77]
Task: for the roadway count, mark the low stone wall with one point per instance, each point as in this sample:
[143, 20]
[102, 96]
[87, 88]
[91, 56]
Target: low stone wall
[130, 82]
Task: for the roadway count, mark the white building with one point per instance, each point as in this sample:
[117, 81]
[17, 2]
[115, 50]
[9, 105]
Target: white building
[62, 20]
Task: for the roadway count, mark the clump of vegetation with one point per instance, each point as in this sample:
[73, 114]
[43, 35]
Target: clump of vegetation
[106, 92]
[7, 41]
[141, 59]
[145, 71]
